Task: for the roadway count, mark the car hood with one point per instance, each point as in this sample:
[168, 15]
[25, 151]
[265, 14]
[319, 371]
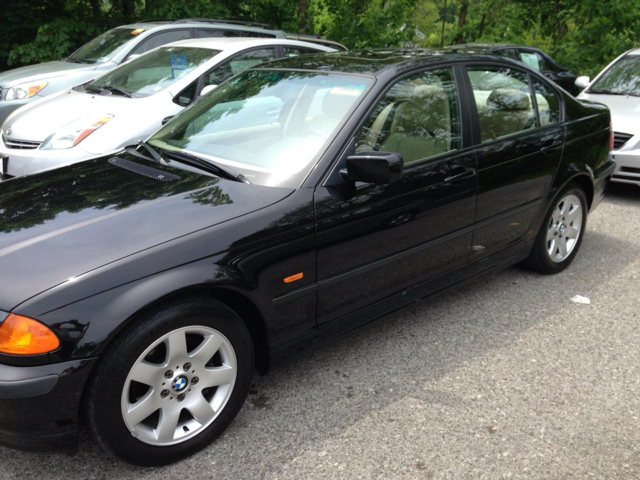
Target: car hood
[625, 110]
[37, 122]
[42, 71]
[58, 225]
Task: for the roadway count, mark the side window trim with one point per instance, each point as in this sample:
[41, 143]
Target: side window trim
[534, 100]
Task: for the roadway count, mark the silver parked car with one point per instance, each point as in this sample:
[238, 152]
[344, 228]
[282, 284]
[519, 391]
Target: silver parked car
[130, 102]
[26, 84]
[618, 87]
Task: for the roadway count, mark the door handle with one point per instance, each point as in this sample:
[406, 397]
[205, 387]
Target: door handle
[548, 147]
[468, 173]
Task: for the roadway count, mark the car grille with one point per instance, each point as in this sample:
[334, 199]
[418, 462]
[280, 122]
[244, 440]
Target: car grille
[620, 139]
[20, 144]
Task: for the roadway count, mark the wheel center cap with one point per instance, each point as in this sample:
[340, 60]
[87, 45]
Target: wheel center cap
[562, 228]
[180, 383]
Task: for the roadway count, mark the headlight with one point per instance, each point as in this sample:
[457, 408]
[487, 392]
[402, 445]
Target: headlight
[73, 133]
[26, 90]
[25, 336]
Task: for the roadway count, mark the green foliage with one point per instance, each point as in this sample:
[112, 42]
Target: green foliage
[584, 35]
[363, 24]
[54, 40]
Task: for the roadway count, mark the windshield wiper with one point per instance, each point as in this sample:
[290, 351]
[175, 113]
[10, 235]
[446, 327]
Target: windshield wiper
[94, 89]
[209, 165]
[120, 91]
[154, 153]
[73, 60]
[606, 92]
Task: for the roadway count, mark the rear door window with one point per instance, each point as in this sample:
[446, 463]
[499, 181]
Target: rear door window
[297, 51]
[534, 59]
[161, 39]
[216, 32]
[503, 101]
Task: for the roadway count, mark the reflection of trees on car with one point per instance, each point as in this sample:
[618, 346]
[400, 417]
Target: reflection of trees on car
[97, 185]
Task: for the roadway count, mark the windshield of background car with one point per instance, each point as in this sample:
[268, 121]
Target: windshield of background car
[271, 126]
[152, 72]
[622, 78]
[104, 47]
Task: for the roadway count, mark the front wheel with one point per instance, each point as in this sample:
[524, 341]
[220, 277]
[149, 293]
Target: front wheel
[561, 232]
[170, 384]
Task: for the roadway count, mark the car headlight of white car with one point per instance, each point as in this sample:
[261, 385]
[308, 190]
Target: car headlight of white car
[25, 90]
[73, 133]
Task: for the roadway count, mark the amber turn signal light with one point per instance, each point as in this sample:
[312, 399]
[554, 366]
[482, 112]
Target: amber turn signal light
[293, 278]
[25, 336]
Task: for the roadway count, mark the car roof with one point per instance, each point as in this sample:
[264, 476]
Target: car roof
[229, 44]
[486, 47]
[307, 37]
[634, 52]
[375, 61]
[188, 23]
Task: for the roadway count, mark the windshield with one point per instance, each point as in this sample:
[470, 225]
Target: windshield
[270, 126]
[152, 72]
[102, 48]
[623, 78]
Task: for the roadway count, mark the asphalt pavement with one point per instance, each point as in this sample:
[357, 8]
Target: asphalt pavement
[505, 377]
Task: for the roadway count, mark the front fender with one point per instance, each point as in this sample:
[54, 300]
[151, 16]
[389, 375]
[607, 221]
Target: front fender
[86, 327]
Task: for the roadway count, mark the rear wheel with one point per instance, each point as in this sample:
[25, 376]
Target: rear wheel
[561, 232]
[171, 384]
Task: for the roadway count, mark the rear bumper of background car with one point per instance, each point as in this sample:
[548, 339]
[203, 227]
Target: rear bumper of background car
[627, 166]
[39, 405]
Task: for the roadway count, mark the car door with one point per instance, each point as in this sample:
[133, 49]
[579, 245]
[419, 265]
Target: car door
[376, 242]
[519, 140]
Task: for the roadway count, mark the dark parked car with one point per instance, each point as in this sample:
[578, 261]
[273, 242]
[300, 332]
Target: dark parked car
[534, 57]
[296, 201]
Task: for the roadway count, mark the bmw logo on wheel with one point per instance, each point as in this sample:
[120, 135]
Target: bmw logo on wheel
[180, 383]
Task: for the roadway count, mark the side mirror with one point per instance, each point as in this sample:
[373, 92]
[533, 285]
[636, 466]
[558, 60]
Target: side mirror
[582, 82]
[207, 89]
[374, 167]
[131, 57]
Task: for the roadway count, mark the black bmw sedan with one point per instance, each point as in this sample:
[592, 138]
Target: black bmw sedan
[298, 200]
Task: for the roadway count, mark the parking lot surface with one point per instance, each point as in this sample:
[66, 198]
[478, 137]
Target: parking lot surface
[505, 377]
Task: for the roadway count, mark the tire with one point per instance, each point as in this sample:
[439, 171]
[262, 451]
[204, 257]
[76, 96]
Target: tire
[561, 232]
[170, 383]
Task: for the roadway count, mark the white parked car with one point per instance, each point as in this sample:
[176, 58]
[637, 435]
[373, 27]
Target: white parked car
[130, 102]
[618, 87]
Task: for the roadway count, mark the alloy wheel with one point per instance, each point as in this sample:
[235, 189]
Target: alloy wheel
[565, 227]
[179, 385]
